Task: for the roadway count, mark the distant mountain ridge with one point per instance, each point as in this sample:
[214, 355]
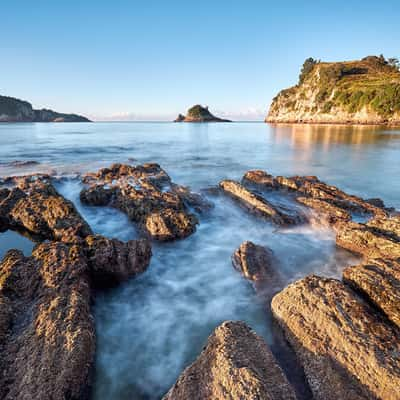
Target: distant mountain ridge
[366, 91]
[199, 113]
[16, 110]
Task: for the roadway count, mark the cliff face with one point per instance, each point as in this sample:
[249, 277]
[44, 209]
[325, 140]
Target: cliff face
[15, 110]
[198, 113]
[359, 92]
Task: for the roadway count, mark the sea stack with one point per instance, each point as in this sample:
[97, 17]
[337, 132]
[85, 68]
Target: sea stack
[199, 113]
[351, 92]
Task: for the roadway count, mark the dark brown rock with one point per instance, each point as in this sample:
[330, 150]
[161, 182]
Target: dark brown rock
[46, 334]
[379, 281]
[111, 260]
[366, 240]
[346, 349]
[191, 199]
[257, 204]
[36, 206]
[144, 193]
[236, 364]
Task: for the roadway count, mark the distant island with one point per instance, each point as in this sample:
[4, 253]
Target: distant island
[199, 113]
[16, 110]
[354, 92]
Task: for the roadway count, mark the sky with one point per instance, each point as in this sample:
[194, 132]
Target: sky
[150, 60]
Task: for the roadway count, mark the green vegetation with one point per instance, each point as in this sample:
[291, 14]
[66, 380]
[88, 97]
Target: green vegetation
[306, 69]
[373, 82]
[198, 111]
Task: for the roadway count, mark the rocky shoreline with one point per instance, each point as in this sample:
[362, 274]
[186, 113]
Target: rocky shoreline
[344, 334]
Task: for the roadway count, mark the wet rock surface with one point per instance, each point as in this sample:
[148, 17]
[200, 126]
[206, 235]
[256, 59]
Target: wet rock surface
[258, 205]
[311, 186]
[47, 336]
[346, 348]
[367, 240]
[144, 193]
[111, 260]
[379, 281]
[35, 206]
[235, 364]
[259, 265]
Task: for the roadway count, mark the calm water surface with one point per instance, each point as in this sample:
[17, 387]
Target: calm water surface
[150, 328]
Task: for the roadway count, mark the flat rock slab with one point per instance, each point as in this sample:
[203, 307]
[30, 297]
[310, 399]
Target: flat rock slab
[311, 186]
[35, 206]
[367, 240]
[258, 205]
[236, 364]
[146, 195]
[346, 349]
[379, 281]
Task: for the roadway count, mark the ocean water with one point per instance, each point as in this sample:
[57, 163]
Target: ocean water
[149, 329]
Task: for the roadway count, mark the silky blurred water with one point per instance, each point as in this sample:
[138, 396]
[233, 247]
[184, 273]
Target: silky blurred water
[150, 328]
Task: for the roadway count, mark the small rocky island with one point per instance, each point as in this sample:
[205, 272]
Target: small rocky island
[199, 113]
[352, 92]
[16, 110]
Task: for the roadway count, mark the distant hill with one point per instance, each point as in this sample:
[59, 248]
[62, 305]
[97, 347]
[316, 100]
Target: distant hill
[361, 92]
[198, 113]
[15, 110]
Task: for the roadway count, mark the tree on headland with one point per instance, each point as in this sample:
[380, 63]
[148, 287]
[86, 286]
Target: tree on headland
[394, 62]
[307, 68]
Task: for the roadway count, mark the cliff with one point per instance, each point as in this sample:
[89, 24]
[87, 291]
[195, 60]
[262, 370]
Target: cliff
[198, 113]
[15, 110]
[355, 92]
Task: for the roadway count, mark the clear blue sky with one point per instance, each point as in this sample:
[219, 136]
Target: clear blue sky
[153, 59]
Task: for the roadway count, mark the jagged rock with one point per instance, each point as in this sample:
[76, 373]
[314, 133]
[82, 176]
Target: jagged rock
[387, 226]
[368, 241]
[346, 349]
[47, 334]
[379, 281]
[236, 364]
[330, 212]
[195, 200]
[36, 206]
[111, 260]
[258, 205]
[144, 193]
[311, 186]
[198, 113]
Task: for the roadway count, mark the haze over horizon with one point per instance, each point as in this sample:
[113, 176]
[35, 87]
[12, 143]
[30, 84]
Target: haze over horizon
[136, 61]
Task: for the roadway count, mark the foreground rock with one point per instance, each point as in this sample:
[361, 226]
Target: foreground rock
[144, 193]
[367, 240]
[198, 113]
[346, 349]
[379, 281]
[329, 197]
[258, 205]
[15, 110]
[112, 261]
[47, 336]
[236, 364]
[35, 206]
